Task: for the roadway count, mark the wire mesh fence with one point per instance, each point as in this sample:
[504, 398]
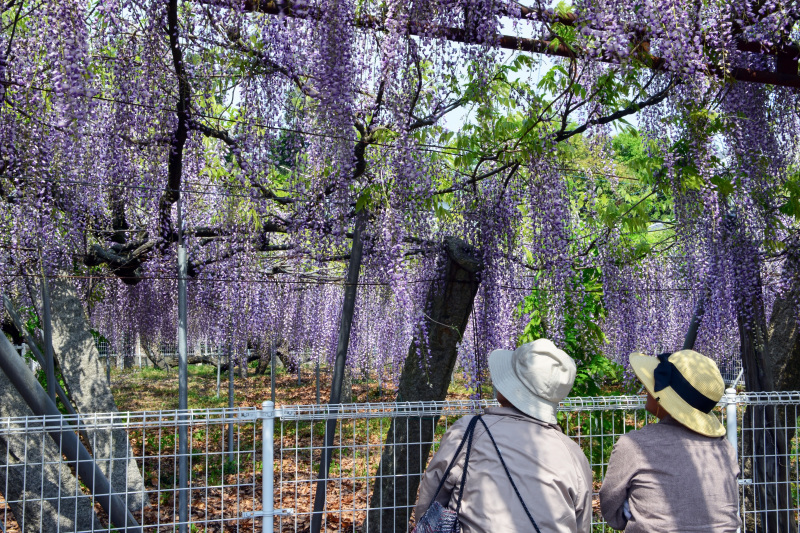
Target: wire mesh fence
[377, 458]
[40, 490]
[380, 452]
[770, 460]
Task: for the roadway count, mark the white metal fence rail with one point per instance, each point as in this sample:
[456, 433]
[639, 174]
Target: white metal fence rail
[377, 460]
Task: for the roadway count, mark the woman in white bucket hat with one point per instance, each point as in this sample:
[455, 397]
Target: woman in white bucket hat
[536, 474]
[679, 474]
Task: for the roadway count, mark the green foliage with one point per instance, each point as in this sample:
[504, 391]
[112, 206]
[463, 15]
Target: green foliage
[583, 337]
[791, 196]
[600, 423]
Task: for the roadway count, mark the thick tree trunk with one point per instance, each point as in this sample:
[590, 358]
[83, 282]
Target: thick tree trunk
[426, 377]
[224, 367]
[152, 349]
[264, 356]
[765, 439]
[263, 360]
[782, 361]
[85, 378]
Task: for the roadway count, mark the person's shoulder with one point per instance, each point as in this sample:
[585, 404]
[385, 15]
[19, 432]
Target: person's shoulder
[573, 448]
[459, 427]
[654, 434]
[646, 433]
[636, 439]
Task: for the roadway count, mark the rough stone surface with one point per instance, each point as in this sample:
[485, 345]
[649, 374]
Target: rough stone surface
[51, 494]
[85, 377]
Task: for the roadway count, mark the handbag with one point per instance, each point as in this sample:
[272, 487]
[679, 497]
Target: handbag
[439, 519]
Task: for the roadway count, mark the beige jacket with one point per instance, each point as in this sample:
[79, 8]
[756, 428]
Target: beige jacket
[550, 471]
[674, 480]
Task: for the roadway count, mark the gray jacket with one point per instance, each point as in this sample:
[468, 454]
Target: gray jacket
[674, 480]
[550, 471]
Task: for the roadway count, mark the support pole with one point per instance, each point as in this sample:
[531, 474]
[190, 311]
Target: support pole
[183, 384]
[316, 370]
[267, 466]
[731, 419]
[65, 438]
[272, 373]
[219, 366]
[230, 402]
[300, 370]
[348, 308]
[49, 363]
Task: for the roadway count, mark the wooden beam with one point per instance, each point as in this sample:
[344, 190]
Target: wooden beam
[786, 74]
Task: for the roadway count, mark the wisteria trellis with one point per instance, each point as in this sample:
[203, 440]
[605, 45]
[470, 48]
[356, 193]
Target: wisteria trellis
[277, 126]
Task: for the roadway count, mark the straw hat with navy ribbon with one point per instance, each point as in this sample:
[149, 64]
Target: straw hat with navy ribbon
[687, 384]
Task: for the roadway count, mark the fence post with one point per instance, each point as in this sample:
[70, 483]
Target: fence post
[267, 466]
[731, 419]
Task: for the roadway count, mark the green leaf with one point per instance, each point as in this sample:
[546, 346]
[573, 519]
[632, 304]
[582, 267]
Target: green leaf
[363, 200]
[724, 185]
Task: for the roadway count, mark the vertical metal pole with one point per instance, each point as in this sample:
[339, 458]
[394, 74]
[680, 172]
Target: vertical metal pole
[49, 362]
[268, 464]
[272, 374]
[230, 402]
[731, 419]
[219, 366]
[183, 378]
[317, 372]
[732, 422]
[345, 325]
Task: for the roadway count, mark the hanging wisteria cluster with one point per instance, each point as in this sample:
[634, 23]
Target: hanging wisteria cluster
[277, 125]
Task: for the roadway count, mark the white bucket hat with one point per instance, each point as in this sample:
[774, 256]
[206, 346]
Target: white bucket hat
[534, 377]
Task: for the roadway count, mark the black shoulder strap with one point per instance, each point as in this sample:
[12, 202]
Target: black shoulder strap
[509, 476]
[467, 438]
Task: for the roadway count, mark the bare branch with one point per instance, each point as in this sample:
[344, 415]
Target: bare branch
[631, 109]
[475, 179]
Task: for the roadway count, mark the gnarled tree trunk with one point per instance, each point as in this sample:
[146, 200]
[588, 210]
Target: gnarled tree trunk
[766, 436]
[152, 349]
[426, 377]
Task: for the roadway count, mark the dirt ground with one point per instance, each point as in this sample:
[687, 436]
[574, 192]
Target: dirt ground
[149, 389]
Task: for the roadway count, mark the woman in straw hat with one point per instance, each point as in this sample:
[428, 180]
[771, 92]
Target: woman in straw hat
[679, 474]
[536, 479]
